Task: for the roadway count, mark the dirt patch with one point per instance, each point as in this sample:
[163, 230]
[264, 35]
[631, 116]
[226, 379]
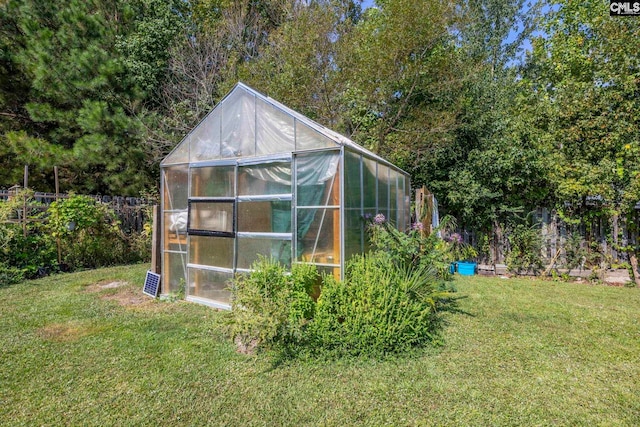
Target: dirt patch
[122, 292]
[106, 284]
[246, 347]
[127, 297]
[112, 285]
[65, 332]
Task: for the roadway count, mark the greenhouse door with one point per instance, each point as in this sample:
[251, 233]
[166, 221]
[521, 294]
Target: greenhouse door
[212, 230]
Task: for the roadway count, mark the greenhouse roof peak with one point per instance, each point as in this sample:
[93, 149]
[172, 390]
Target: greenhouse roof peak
[247, 123]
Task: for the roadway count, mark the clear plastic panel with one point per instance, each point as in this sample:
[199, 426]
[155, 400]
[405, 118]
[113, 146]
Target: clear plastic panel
[211, 216]
[369, 186]
[352, 183]
[264, 179]
[402, 221]
[250, 249]
[407, 200]
[217, 181]
[264, 216]
[175, 231]
[275, 131]
[310, 139]
[238, 125]
[180, 154]
[211, 251]
[212, 285]
[174, 272]
[205, 138]
[383, 190]
[176, 187]
[317, 180]
[354, 230]
[393, 199]
[318, 235]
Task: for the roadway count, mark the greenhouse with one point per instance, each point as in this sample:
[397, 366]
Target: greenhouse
[257, 178]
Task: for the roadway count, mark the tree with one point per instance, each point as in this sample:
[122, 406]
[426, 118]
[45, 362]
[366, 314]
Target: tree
[83, 98]
[586, 73]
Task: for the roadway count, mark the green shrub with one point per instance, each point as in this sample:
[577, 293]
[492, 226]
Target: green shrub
[89, 233]
[575, 253]
[525, 253]
[271, 307]
[28, 252]
[10, 275]
[380, 308]
[411, 249]
[390, 301]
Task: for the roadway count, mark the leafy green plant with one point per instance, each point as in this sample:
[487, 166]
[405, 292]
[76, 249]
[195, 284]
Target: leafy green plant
[26, 250]
[10, 275]
[525, 252]
[270, 306]
[390, 300]
[88, 231]
[459, 250]
[411, 249]
[575, 253]
[380, 308]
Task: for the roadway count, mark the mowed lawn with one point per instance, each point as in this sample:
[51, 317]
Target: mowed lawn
[89, 349]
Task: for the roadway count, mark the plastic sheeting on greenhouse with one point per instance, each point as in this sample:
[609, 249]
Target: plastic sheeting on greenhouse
[255, 178]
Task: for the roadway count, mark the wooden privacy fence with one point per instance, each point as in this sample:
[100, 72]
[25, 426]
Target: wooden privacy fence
[132, 212]
[600, 239]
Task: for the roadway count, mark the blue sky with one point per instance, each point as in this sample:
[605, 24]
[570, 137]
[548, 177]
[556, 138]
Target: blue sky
[525, 46]
[367, 4]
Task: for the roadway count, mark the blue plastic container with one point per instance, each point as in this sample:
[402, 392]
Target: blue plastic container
[467, 268]
[452, 268]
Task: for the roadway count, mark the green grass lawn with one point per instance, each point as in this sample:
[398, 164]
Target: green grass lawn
[75, 352]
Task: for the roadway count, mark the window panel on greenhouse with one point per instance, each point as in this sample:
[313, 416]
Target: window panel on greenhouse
[238, 125]
[318, 179]
[370, 187]
[251, 248]
[354, 229]
[205, 139]
[213, 285]
[402, 221]
[393, 193]
[179, 155]
[264, 216]
[211, 216]
[175, 231]
[264, 179]
[310, 139]
[176, 187]
[174, 272]
[383, 190]
[318, 235]
[275, 132]
[216, 181]
[352, 180]
[211, 251]
[407, 200]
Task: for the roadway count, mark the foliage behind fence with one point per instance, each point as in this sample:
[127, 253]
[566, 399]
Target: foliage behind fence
[43, 233]
[595, 241]
[132, 212]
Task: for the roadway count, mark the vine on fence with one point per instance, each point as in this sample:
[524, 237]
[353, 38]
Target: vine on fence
[72, 233]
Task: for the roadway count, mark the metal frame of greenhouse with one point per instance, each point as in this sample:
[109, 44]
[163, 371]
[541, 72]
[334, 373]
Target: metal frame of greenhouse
[257, 178]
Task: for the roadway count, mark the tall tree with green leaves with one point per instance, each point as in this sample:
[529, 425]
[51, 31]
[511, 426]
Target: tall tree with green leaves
[88, 67]
[586, 72]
